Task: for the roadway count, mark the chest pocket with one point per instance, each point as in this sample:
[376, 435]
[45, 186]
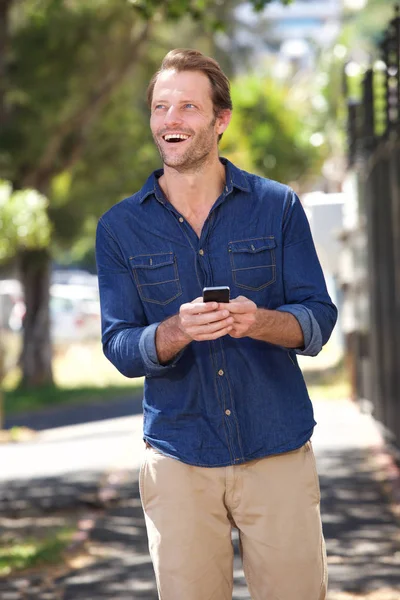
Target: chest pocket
[253, 262]
[156, 277]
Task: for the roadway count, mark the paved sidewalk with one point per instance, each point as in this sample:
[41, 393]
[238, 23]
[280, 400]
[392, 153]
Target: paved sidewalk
[361, 531]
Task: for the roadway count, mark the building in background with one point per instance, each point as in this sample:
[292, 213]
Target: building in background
[291, 34]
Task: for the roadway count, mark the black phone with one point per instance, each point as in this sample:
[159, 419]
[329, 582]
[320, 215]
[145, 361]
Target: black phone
[216, 294]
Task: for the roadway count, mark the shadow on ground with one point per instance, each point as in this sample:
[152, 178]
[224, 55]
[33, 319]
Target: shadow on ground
[361, 533]
[75, 414]
[125, 571]
[31, 497]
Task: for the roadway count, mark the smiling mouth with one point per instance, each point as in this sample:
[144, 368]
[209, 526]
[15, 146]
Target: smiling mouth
[175, 138]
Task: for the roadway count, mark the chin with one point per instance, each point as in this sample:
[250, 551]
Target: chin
[176, 161]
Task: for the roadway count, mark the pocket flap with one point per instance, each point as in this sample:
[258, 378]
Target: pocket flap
[253, 245]
[151, 261]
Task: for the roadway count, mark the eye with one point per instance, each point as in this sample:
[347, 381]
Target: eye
[189, 105]
[159, 106]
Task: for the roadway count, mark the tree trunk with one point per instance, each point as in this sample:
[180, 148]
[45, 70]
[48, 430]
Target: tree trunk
[37, 351]
[5, 6]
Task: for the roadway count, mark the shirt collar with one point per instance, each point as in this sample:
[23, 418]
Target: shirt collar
[235, 178]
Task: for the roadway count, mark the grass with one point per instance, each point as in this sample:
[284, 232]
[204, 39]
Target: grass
[32, 553]
[83, 375]
[326, 385]
[329, 384]
[337, 391]
[18, 401]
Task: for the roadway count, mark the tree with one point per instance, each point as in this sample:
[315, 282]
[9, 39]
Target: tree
[64, 63]
[25, 225]
[269, 134]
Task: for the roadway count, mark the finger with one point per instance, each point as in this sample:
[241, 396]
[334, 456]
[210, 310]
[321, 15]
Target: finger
[218, 325]
[235, 334]
[223, 305]
[198, 305]
[213, 336]
[209, 327]
[205, 318]
[246, 306]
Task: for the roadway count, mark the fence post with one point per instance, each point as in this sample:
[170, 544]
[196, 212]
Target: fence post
[374, 151]
[368, 104]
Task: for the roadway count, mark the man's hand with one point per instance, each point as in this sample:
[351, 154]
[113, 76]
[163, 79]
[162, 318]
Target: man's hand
[202, 321]
[244, 314]
[272, 326]
[196, 320]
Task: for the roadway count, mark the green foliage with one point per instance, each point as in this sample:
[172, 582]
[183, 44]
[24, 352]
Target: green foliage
[118, 156]
[63, 56]
[23, 220]
[358, 44]
[22, 400]
[268, 133]
[363, 30]
[77, 123]
[201, 10]
[24, 554]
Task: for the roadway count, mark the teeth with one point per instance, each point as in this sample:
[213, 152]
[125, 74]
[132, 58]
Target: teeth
[174, 136]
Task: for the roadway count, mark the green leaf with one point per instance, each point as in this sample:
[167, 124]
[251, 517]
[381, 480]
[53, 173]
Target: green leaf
[23, 220]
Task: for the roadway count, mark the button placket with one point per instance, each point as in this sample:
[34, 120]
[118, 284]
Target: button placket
[221, 373]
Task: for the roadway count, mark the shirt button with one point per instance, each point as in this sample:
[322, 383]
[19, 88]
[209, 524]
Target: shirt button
[201, 252]
[181, 219]
[220, 372]
[227, 412]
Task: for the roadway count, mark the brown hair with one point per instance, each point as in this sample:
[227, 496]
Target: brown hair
[186, 59]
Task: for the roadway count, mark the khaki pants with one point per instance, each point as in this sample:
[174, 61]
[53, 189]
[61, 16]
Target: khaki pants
[273, 502]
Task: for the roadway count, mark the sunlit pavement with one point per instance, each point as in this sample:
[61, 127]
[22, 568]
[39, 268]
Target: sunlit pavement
[361, 531]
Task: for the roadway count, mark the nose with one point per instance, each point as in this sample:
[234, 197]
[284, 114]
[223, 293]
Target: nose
[172, 116]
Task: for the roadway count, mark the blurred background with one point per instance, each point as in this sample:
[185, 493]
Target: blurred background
[316, 93]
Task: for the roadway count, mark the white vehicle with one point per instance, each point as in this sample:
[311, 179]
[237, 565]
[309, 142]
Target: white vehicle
[12, 305]
[74, 310]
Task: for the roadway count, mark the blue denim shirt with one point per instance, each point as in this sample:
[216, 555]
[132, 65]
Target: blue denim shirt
[226, 401]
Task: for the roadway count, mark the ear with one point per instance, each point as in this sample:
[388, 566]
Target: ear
[223, 120]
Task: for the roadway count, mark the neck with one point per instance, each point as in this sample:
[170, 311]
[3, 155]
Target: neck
[193, 191]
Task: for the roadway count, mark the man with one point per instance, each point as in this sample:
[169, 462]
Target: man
[227, 417]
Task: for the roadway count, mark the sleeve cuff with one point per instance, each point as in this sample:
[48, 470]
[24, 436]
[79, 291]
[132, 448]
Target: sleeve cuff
[310, 327]
[148, 352]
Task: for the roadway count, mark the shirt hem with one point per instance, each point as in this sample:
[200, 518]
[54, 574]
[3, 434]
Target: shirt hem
[264, 454]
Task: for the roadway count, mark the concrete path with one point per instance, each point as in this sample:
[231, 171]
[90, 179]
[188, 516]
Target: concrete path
[361, 531]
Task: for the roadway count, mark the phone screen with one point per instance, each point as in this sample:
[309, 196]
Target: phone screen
[216, 294]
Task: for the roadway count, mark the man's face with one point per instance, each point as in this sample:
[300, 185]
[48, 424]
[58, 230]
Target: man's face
[182, 121]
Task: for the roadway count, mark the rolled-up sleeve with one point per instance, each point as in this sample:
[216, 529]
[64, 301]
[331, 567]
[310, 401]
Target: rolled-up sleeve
[306, 295]
[309, 326]
[128, 339]
[148, 352]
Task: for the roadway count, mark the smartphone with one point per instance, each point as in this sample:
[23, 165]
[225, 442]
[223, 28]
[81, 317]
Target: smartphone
[216, 294]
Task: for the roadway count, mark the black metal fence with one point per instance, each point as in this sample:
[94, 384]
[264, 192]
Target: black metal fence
[374, 153]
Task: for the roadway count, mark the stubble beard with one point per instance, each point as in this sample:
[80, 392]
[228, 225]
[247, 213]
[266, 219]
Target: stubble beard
[195, 156]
